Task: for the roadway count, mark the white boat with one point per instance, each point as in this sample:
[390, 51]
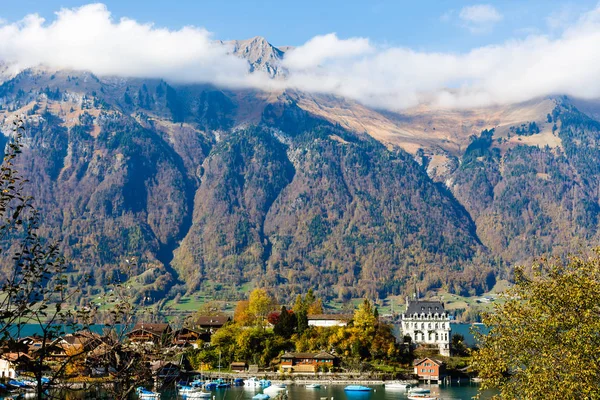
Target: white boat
[279, 385]
[273, 390]
[423, 396]
[313, 386]
[144, 394]
[252, 382]
[197, 395]
[185, 390]
[418, 390]
[397, 385]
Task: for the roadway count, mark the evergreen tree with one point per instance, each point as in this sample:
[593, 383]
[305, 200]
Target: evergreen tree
[286, 324]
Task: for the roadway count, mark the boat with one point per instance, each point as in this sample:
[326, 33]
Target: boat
[265, 383]
[273, 390]
[261, 396]
[279, 385]
[197, 383]
[397, 385]
[313, 386]
[357, 388]
[145, 394]
[184, 390]
[17, 384]
[422, 396]
[418, 390]
[252, 382]
[238, 382]
[210, 385]
[197, 395]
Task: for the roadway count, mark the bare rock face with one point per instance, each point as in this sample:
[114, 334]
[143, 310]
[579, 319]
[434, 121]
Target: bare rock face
[261, 55]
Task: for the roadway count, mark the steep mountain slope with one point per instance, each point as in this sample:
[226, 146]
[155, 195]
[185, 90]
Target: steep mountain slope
[215, 189]
[273, 196]
[301, 203]
[528, 199]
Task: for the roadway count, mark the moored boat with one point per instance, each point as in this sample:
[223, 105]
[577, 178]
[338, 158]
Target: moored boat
[145, 394]
[261, 396]
[274, 390]
[397, 385]
[422, 396]
[197, 395]
[313, 386]
[183, 389]
[252, 382]
[357, 388]
[418, 390]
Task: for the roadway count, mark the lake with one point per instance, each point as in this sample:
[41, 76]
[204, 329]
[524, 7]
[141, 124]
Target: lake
[297, 392]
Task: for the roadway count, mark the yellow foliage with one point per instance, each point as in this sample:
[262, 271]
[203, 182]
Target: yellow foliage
[543, 341]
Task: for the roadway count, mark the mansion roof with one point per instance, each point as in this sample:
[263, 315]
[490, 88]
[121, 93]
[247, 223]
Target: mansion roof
[425, 307]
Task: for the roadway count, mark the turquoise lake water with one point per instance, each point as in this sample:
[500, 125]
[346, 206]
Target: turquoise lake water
[298, 392]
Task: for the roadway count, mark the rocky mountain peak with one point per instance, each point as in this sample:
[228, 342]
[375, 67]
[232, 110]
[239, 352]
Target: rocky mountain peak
[260, 54]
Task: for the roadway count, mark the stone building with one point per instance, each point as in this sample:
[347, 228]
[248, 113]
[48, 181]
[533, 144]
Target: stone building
[427, 323]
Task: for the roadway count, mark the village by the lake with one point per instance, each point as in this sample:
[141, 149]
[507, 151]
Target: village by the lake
[263, 349]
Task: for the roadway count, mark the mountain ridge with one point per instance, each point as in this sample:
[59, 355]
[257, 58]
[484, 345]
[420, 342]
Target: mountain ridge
[219, 188]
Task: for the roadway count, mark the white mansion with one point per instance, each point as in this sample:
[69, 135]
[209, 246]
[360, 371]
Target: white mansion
[426, 322]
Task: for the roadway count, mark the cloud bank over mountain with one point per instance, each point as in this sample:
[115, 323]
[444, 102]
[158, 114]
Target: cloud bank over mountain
[88, 38]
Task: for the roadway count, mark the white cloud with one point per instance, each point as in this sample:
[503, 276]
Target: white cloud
[387, 77]
[87, 38]
[480, 18]
[518, 70]
[322, 48]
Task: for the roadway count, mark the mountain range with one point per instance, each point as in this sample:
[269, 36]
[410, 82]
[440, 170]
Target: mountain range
[217, 189]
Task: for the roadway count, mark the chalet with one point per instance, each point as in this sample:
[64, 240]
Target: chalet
[17, 358]
[149, 333]
[328, 320]
[165, 370]
[307, 362]
[238, 366]
[79, 342]
[32, 343]
[53, 351]
[186, 337]
[429, 369]
[211, 323]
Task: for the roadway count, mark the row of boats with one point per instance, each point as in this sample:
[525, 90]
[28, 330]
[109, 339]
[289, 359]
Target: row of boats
[197, 389]
[414, 393]
[22, 387]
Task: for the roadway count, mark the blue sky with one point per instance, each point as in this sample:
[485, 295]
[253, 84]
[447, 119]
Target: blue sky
[428, 25]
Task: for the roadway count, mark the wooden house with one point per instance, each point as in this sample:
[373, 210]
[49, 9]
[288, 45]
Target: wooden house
[307, 362]
[150, 333]
[211, 323]
[239, 366]
[430, 369]
[186, 337]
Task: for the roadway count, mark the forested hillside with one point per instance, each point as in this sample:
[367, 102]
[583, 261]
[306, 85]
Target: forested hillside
[215, 190]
